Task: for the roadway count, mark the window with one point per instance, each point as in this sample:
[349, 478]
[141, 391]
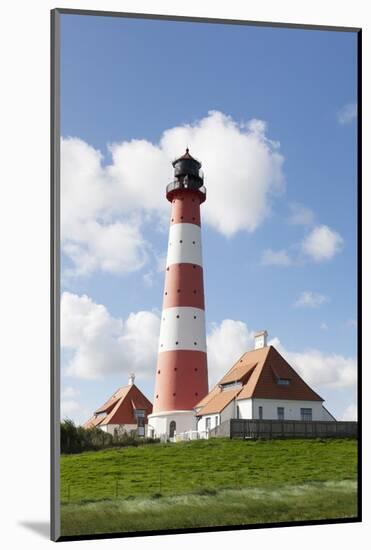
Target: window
[207, 423]
[237, 411]
[306, 414]
[260, 413]
[283, 381]
[140, 416]
[216, 420]
[280, 413]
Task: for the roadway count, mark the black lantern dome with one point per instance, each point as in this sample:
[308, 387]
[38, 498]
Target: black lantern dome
[186, 165]
[187, 176]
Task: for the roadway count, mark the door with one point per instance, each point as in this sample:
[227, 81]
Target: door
[172, 428]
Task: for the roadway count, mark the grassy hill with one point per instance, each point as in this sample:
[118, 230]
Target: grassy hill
[210, 473]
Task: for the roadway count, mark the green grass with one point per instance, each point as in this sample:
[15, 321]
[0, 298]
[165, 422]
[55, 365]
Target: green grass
[321, 500]
[174, 469]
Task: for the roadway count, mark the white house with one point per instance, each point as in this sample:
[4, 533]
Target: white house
[261, 385]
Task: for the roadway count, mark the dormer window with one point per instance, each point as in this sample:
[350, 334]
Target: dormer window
[283, 381]
[229, 385]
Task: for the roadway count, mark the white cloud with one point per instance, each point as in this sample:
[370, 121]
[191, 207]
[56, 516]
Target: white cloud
[69, 393]
[322, 243]
[310, 299]
[324, 326]
[318, 368]
[104, 207]
[275, 257]
[225, 344]
[69, 408]
[228, 340]
[350, 412]
[103, 345]
[243, 166]
[300, 215]
[347, 113]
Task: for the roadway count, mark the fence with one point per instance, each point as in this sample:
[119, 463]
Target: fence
[269, 429]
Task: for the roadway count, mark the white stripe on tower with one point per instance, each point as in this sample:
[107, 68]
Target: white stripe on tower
[184, 244]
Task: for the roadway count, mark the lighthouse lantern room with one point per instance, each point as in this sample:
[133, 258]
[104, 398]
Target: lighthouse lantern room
[181, 373]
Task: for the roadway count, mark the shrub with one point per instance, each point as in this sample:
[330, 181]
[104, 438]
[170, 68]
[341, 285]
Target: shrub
[76, 439]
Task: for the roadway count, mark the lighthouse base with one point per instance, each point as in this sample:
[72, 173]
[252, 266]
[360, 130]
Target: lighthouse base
[167, 424]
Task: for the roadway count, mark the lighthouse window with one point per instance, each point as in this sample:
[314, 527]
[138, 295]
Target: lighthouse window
[181, 217]
[195, 343]
[176, 343]
[196, 368]
[167, 269]
[194, 292]
[180, 241]
[194, 267]
[193, 218]
[194, 316]
[165, 293]
[177, 316]
[158, 372]
[194, 242]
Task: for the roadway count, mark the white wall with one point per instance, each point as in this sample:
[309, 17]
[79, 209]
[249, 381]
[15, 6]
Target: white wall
[160, 423]
[215, 421]
[245, 406]
[291, 409]
[110, 428]
[249, 409]
[228, 412]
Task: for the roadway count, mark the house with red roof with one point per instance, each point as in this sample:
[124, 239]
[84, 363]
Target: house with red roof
[260, 385]
[126, 410]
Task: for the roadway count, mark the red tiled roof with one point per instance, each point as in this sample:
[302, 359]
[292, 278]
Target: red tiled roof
[258, 371]
[240, 373]
[263, 381]
[121, 406]
[93, 421]
[220, 400]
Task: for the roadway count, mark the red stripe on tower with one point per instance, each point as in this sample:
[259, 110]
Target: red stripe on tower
[181, 375]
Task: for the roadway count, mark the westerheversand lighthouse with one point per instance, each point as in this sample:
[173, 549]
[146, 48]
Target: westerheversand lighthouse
[181, 373]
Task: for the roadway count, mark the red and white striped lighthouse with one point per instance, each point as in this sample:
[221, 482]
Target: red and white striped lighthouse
[181, 375]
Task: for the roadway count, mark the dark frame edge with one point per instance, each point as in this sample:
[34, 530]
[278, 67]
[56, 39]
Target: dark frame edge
[194, 19]
[225, 528]
[55, 527]
[359, 267]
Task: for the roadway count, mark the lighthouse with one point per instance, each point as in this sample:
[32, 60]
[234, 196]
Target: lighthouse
[181, 372]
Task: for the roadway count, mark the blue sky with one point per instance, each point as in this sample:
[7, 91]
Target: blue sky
[125, 80]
